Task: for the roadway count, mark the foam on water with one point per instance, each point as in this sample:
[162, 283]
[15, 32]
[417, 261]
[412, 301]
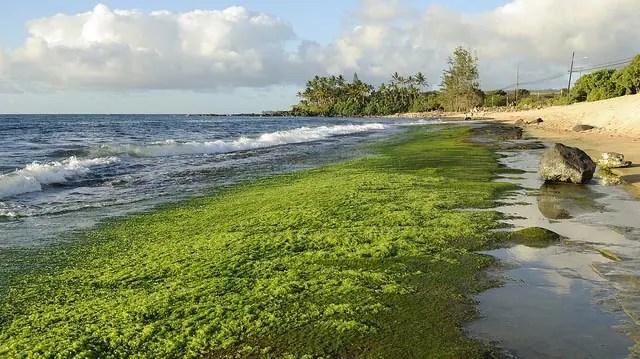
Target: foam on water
[175, 148]
[32, 177]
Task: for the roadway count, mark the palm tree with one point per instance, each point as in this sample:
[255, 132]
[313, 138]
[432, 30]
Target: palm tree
[396, 78]
[420, 80]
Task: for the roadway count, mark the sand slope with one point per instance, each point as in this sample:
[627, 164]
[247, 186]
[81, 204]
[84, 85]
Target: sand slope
[618, 117]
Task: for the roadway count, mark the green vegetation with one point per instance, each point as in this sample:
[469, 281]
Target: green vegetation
[369, 258]
[535, 237]
[333, 96]
[461, 82]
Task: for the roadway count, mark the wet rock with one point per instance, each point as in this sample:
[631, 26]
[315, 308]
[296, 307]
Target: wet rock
[580, 128]
[607, 178]
[522, 145]
[613, 160]
[566, 164]
[535, 237]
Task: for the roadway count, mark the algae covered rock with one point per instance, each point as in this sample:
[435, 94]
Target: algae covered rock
[566, 164]
[535, 237]
[613, 160]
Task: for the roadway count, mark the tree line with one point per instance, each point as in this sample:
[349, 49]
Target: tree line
[334, 96]
[459, 91]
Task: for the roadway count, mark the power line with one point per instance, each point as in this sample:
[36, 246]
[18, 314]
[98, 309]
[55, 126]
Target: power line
[605, 65]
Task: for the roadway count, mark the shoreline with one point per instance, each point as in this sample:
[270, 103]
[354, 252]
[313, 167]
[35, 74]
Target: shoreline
[616, 128]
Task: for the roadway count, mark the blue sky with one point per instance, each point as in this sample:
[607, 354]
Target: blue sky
[55, 71]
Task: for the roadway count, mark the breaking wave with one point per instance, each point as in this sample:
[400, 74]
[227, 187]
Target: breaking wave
[32, 177]
[174, 148]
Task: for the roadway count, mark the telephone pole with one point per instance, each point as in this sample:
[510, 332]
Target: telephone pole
[517, 82]
[573, 57]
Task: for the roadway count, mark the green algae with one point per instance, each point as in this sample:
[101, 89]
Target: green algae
[368, 258]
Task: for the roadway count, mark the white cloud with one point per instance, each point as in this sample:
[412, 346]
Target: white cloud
[124, 50]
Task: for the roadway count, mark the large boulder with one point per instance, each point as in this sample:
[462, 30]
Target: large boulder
[566, 164]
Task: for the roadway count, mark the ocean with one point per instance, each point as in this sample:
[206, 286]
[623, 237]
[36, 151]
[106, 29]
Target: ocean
[60, 174]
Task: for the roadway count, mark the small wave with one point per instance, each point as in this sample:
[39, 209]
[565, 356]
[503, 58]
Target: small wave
[420, 122]
[35, 175]
[174, 148]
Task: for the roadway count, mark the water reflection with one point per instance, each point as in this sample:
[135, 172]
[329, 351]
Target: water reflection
[551, 305]
[565, 201]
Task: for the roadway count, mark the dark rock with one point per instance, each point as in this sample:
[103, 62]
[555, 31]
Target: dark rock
[535, 237]
[566, 164]
[580, 128]
[522, 145]
[468, 119]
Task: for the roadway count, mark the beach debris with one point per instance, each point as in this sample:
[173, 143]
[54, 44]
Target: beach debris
[535, 122]
[580, 128]
[566, 164]
[613, 160]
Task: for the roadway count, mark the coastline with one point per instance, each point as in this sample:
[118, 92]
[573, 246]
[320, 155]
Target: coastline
[616, 122]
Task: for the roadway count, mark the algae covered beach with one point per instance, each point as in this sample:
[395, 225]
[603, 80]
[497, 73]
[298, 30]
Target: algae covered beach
[367, 258]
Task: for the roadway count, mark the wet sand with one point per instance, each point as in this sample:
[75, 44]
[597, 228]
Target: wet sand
[576, 299]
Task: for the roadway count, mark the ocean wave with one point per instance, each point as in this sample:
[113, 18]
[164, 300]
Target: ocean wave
[420, 122]
[32, 177]
[175, 148]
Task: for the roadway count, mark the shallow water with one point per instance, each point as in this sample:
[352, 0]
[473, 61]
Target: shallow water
[568, 300]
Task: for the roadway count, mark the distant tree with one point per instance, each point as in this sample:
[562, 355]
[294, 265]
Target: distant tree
[356, 79]
[461, 82]
[396, 79]
[420, 81]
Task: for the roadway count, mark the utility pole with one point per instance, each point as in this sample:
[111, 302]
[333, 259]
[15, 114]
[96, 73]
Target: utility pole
[573, 57]
[517, 82]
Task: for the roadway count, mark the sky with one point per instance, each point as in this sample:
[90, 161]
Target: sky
[228, 56]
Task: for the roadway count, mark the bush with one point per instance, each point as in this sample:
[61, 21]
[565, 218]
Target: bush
[596, 86]
[628, 78]
[495, 99]
[426, 102]
[561, 101]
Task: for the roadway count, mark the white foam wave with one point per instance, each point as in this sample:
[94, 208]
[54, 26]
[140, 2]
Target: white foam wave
[420, 122]
[298, 135]
[35, 175]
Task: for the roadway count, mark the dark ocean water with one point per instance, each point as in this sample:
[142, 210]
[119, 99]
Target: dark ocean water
[64, 173]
